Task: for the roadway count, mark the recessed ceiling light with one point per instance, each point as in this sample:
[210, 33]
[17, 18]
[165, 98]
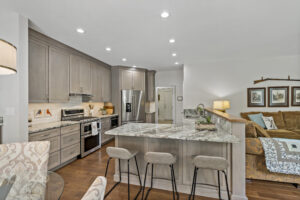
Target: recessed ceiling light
[164, 14]
[134, 66]
[172, 40]
[174, 54]
[108, 49]
[176, 63]
[124, 59]
[80, 30]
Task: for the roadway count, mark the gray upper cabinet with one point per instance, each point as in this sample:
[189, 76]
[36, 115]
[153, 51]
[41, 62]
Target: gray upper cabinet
[85, 77]
[38, 72]
[138, 80]
[75, 74]
[150, 85]
[96, 83]
[127, 79]
[59, 66]
[80, 75]
[106, 84]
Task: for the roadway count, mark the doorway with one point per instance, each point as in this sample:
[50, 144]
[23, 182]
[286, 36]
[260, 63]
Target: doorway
[165, 105]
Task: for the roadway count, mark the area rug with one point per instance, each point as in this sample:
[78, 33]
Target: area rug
[282, 155]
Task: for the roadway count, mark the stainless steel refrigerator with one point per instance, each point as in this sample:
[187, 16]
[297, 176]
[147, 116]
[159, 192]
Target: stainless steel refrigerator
[133, 106]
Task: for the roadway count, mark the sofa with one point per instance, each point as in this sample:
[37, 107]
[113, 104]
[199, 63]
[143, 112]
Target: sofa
[288, 124]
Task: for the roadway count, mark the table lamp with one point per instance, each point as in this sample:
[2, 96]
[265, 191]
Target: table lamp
[221, 105]
[8, 58]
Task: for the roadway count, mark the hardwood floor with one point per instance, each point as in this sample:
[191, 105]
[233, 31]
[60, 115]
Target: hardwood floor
[80, 174]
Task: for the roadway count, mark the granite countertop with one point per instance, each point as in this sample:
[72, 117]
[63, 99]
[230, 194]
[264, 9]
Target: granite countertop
[185, 131]
[51, 125]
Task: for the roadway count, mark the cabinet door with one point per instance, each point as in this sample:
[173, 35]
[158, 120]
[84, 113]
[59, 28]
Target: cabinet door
[74, 74]
[106, 84]
[58, 75]
[138, 80]
[151, 86]
[96, 83]
[85, 77]
[127, 80]
[38, 72]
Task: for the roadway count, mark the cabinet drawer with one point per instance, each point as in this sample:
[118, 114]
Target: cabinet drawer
[43, 135]
[71, 128]
[54, 143]
[69, 139]
[70, 152]
[54, 160]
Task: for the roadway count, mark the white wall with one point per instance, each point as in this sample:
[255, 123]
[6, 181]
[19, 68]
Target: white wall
[14, 88]
[205, 81]
[172, 77]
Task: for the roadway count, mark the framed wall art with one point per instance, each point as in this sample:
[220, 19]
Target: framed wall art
[296, 96]
[278, 96]
[256, 97]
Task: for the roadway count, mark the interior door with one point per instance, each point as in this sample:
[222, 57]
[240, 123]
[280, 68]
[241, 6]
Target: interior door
[165, 104]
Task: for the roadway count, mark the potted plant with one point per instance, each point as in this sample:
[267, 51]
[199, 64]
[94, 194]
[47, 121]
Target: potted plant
[205, 124]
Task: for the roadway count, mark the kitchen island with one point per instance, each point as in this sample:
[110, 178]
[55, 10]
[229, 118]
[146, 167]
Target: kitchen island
[185, 142]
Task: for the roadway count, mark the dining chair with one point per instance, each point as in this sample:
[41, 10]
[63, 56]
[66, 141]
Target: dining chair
[28, 162]
[97, 190]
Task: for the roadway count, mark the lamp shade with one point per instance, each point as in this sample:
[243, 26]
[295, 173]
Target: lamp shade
[8, 58]
[221, 105]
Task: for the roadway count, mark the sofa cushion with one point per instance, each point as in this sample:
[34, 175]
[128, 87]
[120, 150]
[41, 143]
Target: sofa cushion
[282, 133]
[258, 118]
[260, 131]
[296, 131]
[292, 119]
[277, 116]
[250, 130]
[254, 146]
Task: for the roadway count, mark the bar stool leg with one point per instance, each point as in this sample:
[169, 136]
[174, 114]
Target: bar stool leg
[193, 184]
[113, 187]
[128, 176]
[137, 168]
[151, 182]
[172, 180]
[145, 181]
[219, 187]
[226, 184]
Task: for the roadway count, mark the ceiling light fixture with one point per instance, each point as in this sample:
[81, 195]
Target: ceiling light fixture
[134, 66]
[164, 14]
[174, 54]
[172, 40]
[80, 30]
[176, 63]
[108, 49]
[124, 59]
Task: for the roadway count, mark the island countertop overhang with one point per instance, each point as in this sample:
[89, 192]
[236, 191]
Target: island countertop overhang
[186, 132]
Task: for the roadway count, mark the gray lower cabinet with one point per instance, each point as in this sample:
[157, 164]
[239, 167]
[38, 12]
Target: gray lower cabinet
[38, 72]
[105, 126]
[59, 66]
[64, 144]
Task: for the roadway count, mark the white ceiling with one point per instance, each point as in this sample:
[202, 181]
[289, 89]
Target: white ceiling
[203, 29]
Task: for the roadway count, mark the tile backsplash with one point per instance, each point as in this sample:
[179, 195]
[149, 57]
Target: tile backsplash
[55, 109]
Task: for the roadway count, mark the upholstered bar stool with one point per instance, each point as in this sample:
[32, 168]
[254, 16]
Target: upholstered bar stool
[208, 162]
[123, 154]
[160, 158]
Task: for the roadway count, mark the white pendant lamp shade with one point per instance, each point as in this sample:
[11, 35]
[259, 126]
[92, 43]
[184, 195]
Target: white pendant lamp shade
[8, 58]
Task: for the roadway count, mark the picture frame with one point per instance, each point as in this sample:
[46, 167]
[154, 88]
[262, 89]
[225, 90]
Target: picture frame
[278, 96]
[256, 97]
[296, 96]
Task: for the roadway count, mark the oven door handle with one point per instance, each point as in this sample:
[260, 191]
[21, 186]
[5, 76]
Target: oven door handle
[89, 135]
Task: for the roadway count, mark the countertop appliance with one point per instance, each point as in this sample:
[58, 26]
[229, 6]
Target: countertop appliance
[132, 102]
[88, 142]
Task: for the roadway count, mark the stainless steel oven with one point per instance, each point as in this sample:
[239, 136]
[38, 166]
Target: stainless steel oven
[89, 142]
[114, 122]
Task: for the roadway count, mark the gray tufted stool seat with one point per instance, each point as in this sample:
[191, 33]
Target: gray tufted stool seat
[160, 158]
[219, 164]
[127, 155]
[210, 162]
[120, 153]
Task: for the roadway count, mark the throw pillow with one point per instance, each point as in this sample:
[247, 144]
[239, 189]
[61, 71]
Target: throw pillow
[250, 130]
[257, 118]
[269, 122]
[260, 131]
